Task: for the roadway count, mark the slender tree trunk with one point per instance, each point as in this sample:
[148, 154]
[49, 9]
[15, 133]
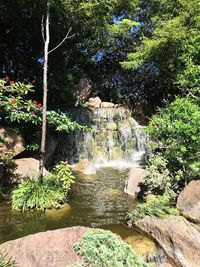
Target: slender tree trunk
[45, 89]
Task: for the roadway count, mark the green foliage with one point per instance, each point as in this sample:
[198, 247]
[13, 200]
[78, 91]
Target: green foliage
[16, 108]
[33, 194]
[157, 177]
[63, 174]
[5, 261]
[50, 193]
[101, 248]
[175, 134]
[167, 55]
[160, 207]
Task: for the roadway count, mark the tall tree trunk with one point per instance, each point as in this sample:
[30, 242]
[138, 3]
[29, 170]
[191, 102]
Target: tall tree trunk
[45, 89]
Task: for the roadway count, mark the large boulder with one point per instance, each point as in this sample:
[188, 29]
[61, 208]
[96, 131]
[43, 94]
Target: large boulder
[107, 105]
[86, 167]
[135, 178]
[178, 238]
[26, 167]
[12, 141]
[189, 201]
[51, 248]
[93, 102]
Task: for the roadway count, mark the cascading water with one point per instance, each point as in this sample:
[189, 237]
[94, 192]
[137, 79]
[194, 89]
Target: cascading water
[115, 138]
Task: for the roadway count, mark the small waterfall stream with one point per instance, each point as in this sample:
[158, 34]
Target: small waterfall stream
[115, 138]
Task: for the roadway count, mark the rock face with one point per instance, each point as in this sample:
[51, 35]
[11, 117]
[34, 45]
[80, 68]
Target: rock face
[51, 146]
[51, 248]
[86, 167]
[189, 201]
[135, 177]
[27, 166]
[12, 141]
[178, 238]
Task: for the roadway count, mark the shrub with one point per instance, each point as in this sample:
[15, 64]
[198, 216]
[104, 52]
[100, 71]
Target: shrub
[101, 248]
[50, 193]
[158, 178]
[160, 206]
[175, 136]
[16, 107]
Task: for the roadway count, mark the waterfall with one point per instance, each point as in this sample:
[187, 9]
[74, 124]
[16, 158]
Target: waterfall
[115, 138]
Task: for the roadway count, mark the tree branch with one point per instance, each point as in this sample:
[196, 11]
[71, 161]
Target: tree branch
[66, 37]
[42, 29]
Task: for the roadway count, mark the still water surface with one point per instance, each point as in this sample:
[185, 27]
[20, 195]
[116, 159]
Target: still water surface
[96, 201]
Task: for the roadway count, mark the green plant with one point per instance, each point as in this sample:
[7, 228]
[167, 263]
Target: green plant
[15, 107]
[101, 248]
[51, 193]
[63, 174]
[33, 194]
[5, 261]
[160, 206]
[157, 177]
[174, 131]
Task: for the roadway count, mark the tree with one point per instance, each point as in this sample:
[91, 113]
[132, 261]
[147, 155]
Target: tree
[45, 33]
[168, 56]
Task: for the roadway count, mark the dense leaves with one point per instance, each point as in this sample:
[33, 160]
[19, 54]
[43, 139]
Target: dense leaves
[101, 248]
[175, 137]
[50, 193]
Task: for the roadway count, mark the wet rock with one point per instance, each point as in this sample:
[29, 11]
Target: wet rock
[85, 167]
[13, 142]
[135, 178]
[178, 238]
[107, 105]
[117, 153]
[111, 126]
[26, 167]
[93, 102]
[51, 248]
[51, 146]
[189, 201]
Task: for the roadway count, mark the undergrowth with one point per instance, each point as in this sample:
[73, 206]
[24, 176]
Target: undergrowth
[160, 207]
[101, 248]
[50, 193]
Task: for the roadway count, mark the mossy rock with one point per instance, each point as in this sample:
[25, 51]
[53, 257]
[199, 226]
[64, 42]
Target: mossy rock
[117, 153]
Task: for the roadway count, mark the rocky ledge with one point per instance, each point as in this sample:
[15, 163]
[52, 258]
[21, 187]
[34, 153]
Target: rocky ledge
[178, 238]
[51, 248]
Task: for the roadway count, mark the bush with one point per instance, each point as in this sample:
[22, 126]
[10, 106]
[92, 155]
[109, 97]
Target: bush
[157, 175]
[101, 248]
[160, 206]
[174, 132]
[50, 193]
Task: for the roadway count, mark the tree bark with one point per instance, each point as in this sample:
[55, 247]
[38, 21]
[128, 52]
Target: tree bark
[45, 90]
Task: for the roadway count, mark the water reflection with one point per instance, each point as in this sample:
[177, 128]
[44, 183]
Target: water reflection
[96, 201]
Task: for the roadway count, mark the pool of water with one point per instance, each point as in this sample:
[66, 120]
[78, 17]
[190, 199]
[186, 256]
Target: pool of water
[95, 201]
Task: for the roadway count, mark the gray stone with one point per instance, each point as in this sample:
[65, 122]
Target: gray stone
[178, 238]
[13, 142]
[51, 248]
[189, 201]
[26, 167]
[135, 177]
